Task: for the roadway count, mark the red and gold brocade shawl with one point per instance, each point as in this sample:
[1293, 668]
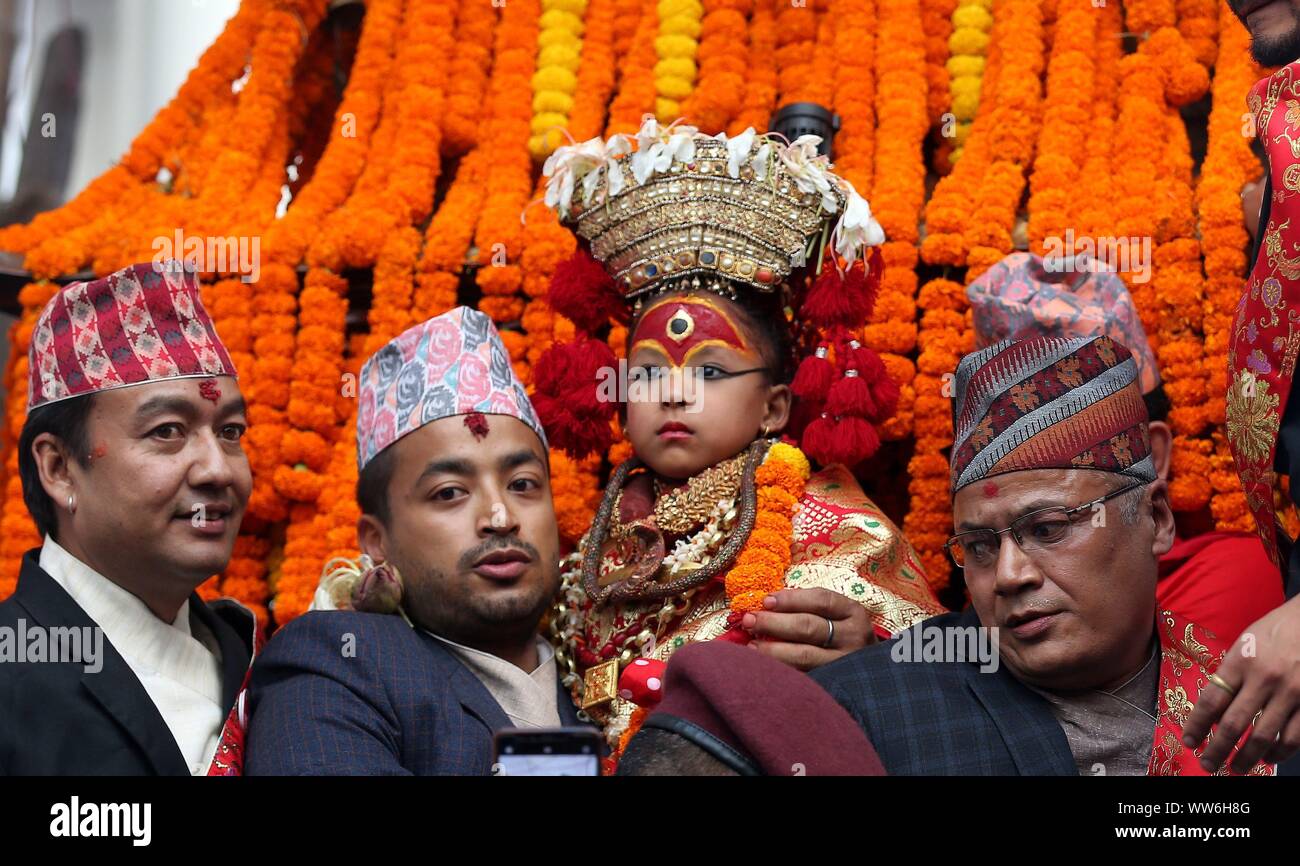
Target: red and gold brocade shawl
[1188, 655]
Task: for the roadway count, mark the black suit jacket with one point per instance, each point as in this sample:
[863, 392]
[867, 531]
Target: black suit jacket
[364, 694]
[59, 719]
[947, 718]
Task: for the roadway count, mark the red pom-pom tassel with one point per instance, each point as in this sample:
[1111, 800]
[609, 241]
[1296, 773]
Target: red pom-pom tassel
[812, 381]
[568, 400]
[851, 396]
[846, 440]
[584, 292]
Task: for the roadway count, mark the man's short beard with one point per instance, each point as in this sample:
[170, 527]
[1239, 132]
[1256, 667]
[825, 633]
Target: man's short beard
[476, 619]
[1279, 50]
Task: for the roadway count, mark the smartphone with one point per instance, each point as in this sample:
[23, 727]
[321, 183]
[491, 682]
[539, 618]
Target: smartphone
[546, 752]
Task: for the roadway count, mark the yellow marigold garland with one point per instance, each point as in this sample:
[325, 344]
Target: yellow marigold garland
[676, 45]
[968, 46]
[559, 53]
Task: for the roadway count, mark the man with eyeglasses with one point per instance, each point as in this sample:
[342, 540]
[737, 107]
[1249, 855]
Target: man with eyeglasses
[1060, 518]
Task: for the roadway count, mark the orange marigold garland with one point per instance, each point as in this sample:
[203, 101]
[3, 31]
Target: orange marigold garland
[761, 73]
[509, 180]
[854, 90]
[796, 53]
[1229, 164]
[635, 94]
[1013, 128]
[945, 336]
[17, 531]
[1198, 21]
[1060, 151]
[898, 193]
[761, 565]
[722, 69]
[1177, 279]
[467, 75]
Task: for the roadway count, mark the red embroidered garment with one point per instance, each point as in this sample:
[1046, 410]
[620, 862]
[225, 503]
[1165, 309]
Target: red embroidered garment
[1188, 655]
[1264, 340]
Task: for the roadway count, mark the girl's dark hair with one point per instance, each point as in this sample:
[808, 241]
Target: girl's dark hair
[762, 315]
[69, 420]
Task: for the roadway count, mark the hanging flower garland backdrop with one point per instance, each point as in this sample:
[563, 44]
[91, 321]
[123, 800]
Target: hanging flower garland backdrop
[974, 127]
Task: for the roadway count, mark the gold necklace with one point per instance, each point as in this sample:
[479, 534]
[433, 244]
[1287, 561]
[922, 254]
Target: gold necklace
[680, 510]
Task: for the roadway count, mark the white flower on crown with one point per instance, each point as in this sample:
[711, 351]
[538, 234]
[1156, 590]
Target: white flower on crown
[658, 147]
[811, 172]
[856, 228]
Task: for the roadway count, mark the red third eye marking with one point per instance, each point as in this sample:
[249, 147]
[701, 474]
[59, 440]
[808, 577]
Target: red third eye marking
[990, 490]
[477, 424]
[209, 390]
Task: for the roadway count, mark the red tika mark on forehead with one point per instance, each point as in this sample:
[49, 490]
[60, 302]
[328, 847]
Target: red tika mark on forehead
[477, 424]
[990, 490]
[209, 390]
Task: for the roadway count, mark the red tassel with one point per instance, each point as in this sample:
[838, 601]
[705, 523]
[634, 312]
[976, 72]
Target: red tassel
[816, 440]
[851, 396]
[813, 379]
[845, 440]
[583, 292]
[833, 301]
[573, 407]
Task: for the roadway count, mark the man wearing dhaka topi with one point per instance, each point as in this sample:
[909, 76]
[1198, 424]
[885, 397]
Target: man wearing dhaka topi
[412, 658]
[1060, 518]
[133, 469]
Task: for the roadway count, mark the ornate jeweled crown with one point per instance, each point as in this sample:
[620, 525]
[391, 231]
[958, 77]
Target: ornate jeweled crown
[749, 208]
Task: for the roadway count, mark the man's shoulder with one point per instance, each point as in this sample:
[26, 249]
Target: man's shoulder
[352, 633]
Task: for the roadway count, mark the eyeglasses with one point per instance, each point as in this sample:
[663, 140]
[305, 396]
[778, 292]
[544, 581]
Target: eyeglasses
[1036, 530]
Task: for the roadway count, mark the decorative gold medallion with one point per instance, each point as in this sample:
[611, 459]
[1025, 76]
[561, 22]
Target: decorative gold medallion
[680, 326]
[600, 684]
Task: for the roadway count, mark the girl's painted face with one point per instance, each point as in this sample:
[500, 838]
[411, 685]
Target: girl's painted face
[698, 389]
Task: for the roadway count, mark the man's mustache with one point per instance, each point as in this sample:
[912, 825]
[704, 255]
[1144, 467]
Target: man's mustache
[499, 542]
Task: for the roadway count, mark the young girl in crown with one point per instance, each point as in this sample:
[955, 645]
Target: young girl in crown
[720, 256]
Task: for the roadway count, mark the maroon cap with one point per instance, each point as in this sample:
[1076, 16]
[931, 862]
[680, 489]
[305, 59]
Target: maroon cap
[759, 716]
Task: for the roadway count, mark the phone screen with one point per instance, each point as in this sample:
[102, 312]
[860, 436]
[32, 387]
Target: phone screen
[547, 752]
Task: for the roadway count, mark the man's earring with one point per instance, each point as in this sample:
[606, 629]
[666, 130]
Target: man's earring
[72, 504]
[766, 431]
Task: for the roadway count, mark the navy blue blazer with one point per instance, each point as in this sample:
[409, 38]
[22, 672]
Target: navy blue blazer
[347, 693]
[947, 718]
[60, 719]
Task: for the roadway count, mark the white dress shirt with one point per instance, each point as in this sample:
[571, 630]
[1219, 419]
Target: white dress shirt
[178, 663]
